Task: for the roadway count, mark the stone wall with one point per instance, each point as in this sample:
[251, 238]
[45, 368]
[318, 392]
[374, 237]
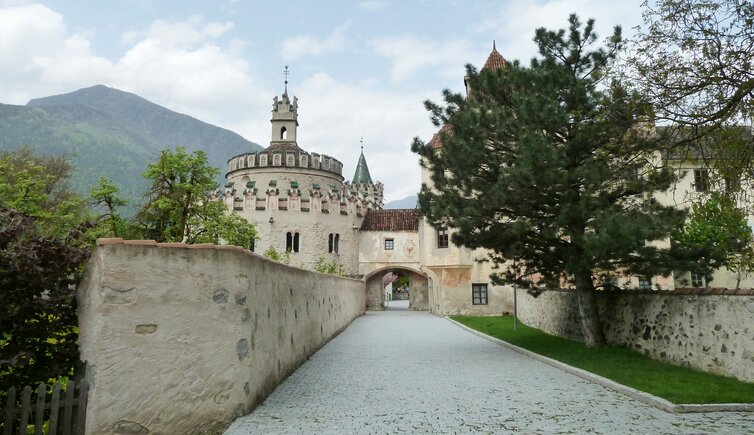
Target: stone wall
[183, 339]
[707, 329]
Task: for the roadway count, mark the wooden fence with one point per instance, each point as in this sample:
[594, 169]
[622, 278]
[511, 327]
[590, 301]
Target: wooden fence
[61, 415]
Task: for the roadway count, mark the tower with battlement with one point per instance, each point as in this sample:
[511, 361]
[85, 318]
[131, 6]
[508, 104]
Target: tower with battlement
[299, 200]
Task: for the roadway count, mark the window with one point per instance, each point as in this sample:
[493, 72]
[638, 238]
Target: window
[330, 243]
[442, 238]
[732, 184]
[337, 242]
[479, 294]
[389, 244]
[698, 280]
[645, 282]
[701, 180]
[252, 245]
[291, 242]
[283, 133]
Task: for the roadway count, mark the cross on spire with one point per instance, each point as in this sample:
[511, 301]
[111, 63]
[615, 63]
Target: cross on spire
[285, 74]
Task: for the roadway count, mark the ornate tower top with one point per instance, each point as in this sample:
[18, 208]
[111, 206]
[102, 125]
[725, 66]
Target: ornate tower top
[284, 119]
[495, 60]
[362, 170]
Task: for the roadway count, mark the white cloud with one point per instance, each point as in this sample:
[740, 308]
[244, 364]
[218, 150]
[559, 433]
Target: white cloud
[309, 45]
[334, 116]
[181, 65]
[410, 55]
[372, 5]
[9, 3]
[514, 24]
[186, 67]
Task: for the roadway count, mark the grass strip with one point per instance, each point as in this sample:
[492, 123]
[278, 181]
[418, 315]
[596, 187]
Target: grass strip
[673, 383]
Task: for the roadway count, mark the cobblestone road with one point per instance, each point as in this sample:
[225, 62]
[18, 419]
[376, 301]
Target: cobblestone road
[412, 372]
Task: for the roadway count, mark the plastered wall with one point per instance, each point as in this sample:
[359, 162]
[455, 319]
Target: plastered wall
[184, 339]
[707, 329]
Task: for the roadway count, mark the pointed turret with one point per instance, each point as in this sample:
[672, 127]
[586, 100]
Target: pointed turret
[495, 60]
[362, 171]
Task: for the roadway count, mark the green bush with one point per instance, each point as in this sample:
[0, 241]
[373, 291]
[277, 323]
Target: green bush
[38, 322]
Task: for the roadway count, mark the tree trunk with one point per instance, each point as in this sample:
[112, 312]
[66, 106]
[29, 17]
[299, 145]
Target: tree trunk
[590, 321]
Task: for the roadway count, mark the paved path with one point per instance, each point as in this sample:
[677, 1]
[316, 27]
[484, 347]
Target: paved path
[412, 372]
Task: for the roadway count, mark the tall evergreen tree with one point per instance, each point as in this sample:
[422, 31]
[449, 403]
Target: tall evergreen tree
[552, 169]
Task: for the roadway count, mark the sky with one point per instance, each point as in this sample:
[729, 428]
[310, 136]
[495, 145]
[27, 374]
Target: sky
[361, 69]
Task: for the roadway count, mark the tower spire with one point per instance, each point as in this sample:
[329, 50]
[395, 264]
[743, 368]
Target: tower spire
[362, 170]
[493, 45]
[285, 74]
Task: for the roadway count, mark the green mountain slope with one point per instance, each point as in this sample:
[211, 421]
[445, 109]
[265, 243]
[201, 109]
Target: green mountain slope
[105, 131]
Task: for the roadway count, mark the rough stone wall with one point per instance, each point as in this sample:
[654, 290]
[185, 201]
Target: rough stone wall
[707, 329]
[184, 339]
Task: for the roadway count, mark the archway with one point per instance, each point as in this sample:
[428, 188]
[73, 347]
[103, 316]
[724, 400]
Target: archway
[400, 283]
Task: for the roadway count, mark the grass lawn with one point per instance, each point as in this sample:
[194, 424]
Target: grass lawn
[673, 383]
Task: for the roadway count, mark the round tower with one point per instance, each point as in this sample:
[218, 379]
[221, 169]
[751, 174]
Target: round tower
[298, 199]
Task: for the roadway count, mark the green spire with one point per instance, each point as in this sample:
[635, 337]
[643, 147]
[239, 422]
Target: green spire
[362, 170]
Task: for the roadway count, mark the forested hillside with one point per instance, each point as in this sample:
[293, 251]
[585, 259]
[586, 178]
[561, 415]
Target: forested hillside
[105, 131]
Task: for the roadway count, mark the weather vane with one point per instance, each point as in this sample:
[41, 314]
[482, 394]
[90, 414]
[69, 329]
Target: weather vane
[285, 74]
[362, 143]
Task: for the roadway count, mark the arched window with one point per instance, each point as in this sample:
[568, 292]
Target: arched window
[337, 242]
[330, 243]
[292, 242]
[283, 133]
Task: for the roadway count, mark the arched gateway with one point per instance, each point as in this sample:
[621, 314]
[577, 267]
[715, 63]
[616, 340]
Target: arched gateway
[417, 287]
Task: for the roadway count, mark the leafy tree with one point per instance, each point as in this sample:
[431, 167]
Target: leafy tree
[178, 207]
[105, 197]
[742, 263]
[401, 282]
[694, 59]
[550, 169]
[719, 231]
[329, 267]
[38, 277]
[214, 225]
[38, 186]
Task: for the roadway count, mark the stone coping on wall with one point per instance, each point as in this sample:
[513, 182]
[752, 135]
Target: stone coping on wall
[644, 397]
[684, 291]
[179, 245]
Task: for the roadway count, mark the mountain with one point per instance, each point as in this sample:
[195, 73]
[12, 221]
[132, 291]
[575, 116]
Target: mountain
[408, 202]
[105, 131]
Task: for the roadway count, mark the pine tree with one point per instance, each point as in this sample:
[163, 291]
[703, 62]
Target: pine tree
[552, 169]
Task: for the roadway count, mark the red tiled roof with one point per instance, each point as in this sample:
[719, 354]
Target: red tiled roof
[402, 219]
[495, 60]
[436, 141]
